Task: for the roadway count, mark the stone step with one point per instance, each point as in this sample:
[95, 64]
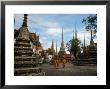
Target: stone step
[27, 71]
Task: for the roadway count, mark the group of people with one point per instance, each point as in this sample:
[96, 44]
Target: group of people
[57, 62]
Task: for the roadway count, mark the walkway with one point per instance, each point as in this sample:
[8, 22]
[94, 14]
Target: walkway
[70, 70]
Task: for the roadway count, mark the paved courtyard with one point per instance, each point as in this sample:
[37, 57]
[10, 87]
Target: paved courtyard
[70, 70]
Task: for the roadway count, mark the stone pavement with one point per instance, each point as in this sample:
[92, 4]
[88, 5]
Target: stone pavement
[70, 70]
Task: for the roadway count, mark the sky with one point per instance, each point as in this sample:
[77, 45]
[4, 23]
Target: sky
[49, 27]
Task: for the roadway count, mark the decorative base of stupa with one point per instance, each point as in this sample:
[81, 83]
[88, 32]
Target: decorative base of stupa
[37, 71]
[90, 61]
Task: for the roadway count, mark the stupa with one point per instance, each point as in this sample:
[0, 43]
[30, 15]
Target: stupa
[92, 50]
[25, 63]
[62, 48]
[89, 55]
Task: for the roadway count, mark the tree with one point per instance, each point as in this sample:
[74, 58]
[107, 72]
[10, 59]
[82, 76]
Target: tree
[91, 24]
[73, 47]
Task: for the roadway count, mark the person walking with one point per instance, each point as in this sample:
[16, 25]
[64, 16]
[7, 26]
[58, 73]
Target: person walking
[63, 63]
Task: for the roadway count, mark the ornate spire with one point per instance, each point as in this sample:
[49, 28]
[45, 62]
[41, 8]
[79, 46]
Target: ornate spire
[62, 43]
[75, 31]
[14, 21]
[62, 48]
[62, 34]
[52, 44]
[91, 36]
[24, 33]
[91, 42]
[52, 47]
[56, 48]
[25, 20]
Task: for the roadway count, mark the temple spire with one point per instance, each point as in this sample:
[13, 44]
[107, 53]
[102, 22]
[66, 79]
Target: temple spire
[25, 20]
[62, 34]
[91, 36]
[14, 21]
[23, 31]
[56, 48]
[52, 47]
[91, 41]
[62, 48]
[62, 43]
[75, 31]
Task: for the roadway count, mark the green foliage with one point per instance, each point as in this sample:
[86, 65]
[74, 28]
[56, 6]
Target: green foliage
[73, 47]
[91, 24]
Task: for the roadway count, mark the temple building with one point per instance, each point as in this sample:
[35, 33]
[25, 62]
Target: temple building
[62, 48]
[90, 51]
[52, 48]
[34, 41]
[56, 49]
[35, 44]
[84, 53]
[89, 55]
[25, 63]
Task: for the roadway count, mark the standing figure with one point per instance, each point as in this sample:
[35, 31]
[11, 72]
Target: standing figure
[63, 63]
[56, 63]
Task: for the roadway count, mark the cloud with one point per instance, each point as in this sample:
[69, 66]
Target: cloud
[19, 16]
[42, 39]
[36, 21]
[80, 35]
[54, 31]
[18, 20]
[68, 30]
[46, 43]
[41, 21]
